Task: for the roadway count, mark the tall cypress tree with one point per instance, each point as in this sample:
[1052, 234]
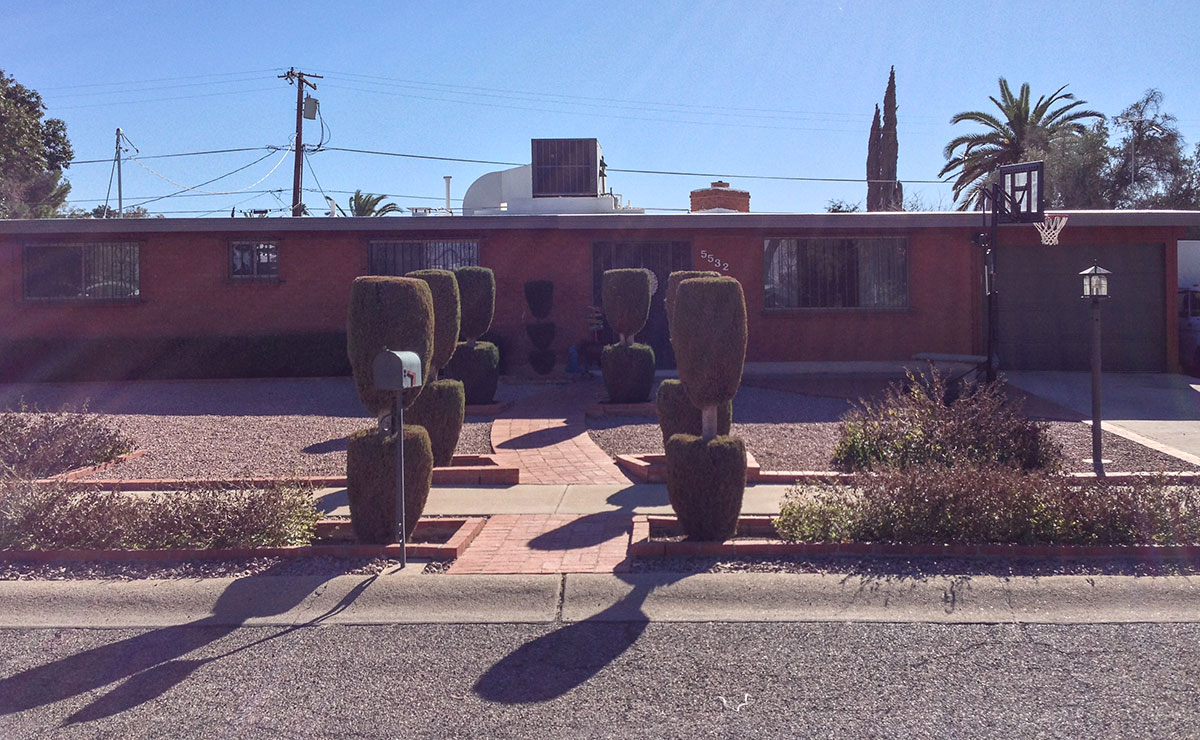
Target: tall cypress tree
[892, 193]
[874, 172]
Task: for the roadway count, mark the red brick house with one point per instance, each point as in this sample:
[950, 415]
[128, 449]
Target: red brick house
[218, 297]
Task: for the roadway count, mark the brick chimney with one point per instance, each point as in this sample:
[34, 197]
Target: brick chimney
[720, 197]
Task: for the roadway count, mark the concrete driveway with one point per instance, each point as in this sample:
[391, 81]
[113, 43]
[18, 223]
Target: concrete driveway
[1158, 410]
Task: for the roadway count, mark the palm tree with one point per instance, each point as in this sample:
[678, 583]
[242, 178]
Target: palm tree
[1009, 138]
[367, 204]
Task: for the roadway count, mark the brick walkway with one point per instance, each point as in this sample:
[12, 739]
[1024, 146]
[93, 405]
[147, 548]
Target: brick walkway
[545, 435]
[549, 543]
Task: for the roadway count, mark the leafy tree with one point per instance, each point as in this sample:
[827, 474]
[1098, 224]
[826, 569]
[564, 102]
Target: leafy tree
[837, 205]
[1078, 172]
[1020, 128]
[368, 204]
[33, 154]
[103, 211]
[1149, 167]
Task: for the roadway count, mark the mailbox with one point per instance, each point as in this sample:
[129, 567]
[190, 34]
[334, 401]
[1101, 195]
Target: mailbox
[397, 371]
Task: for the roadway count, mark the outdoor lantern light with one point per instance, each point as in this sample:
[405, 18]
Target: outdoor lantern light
[1095, 286]
[1095, 282]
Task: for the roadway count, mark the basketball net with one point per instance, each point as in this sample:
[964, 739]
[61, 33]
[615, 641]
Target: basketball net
[1050, 228]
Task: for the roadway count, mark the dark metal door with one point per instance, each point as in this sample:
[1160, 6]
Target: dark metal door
[661, 258]
[1045, 325]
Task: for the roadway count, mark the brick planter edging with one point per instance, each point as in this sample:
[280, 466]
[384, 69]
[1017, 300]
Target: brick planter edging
[468, 529]
[642, 546]
[87, 470]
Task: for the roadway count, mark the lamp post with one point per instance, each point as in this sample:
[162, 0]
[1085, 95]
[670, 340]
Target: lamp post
[1095, 287]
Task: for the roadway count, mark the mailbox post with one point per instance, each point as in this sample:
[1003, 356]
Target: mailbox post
[396, 372]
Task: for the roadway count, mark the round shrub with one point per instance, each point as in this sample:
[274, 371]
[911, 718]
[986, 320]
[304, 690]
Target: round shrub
[709, 337]
[371, 482]
[478, 367]
[440, 408]
[628, 372]
[705, 484]
[447, 314]
[539, 294]
[387, 312]
[677, 414]
[626, 296]
[477, 291]
[541, 333]
[673, 281]
[542, 361]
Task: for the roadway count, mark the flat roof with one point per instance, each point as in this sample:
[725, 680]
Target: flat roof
[615, 221]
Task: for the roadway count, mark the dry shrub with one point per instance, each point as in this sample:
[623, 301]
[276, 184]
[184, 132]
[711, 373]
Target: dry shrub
[928, 420]
[36, 444]
[994, 504]
[43, 517]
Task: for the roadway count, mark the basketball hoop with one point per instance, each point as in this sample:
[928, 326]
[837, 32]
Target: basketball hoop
[1050, 227]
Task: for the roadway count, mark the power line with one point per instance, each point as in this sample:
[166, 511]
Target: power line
[161, 79]
[181, 154]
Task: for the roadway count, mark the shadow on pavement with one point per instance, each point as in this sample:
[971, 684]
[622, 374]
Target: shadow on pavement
[553, 664]
[592, 529]
[151, 664]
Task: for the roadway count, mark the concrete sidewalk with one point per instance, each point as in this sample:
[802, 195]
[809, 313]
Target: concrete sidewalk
[662, 597]
[579, 499]
[1158, 410]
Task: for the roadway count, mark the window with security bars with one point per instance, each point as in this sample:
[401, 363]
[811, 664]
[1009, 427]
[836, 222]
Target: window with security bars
[402, 257]
[253, 260]
[835, 273]
[94, 271]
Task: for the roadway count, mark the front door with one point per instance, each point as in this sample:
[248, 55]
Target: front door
[661, 258]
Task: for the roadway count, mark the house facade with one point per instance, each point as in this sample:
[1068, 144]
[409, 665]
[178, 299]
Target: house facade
[265, 297]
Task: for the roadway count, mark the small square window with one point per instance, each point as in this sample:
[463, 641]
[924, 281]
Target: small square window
[254, 260]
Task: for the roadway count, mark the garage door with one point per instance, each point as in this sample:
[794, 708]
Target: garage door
[1044, 324]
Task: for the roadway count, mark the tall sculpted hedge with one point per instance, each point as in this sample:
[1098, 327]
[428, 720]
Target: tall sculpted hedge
[441, 407]
[475, 363]
[706, 474]
[673, 281]
[628, 368]
[397, 314]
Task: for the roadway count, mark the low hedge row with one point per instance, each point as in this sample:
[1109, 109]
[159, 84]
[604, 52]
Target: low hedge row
[977, 505]
[37, 444]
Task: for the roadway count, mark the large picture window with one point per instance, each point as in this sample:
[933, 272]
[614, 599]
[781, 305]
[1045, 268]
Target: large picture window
[402, 257]
[253, 260]
[103, 271]
[835, 273]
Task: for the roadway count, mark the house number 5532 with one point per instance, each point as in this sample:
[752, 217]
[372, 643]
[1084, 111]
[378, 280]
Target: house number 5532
[714, 259]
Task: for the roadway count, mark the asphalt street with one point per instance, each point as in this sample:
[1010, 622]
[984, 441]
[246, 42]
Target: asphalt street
[603, 679]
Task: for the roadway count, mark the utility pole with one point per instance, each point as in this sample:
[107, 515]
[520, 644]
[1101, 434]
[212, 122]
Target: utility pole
[299, 79]
[120, 204]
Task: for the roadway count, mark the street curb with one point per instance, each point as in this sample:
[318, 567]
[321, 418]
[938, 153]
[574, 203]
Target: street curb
[645, 526]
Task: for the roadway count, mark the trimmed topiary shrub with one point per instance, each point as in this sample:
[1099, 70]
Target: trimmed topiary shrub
[476, 363]
[371, 482]
[478, 369]
[539, 296]
[710, 341]
[627, 301]
[677, 415]
[542, 361]
[705, 484]
[628, 372]
[477, 291]
[706, 476]
[673, 281]
[447, 315]
[440, 409]
[541, 333]
[387, 313]
[441, 406]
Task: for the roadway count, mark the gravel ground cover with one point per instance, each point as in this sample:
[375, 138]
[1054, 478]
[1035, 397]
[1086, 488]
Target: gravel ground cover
[240, 568]
[227, 428]
[792, 431]
[895, 568]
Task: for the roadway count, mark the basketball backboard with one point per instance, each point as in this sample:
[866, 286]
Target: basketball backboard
[1020, 193]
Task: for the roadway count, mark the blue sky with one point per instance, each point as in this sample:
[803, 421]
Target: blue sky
[737, 88]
